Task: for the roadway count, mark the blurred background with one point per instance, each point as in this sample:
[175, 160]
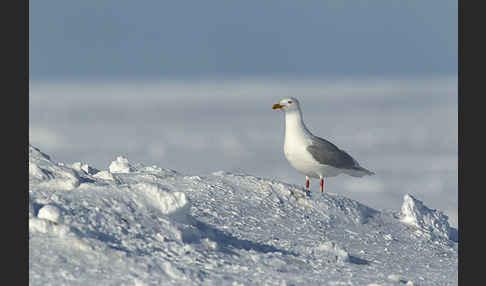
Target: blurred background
[189, 85]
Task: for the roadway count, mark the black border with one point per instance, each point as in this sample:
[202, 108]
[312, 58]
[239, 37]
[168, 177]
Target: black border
[471, 143]
[460, 146]
[15, 123]
[24, 19]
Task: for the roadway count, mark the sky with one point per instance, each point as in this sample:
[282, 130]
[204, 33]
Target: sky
[188, 85]
[241, 38]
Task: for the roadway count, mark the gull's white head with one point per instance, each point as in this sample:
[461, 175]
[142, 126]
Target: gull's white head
[287, 104]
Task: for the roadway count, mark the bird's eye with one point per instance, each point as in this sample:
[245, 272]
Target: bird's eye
[290, 101]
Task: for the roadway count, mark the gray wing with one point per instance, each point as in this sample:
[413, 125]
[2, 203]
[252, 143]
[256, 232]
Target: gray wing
[327, 153]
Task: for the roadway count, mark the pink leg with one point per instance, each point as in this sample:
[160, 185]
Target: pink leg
[307, 190]
[322, 185]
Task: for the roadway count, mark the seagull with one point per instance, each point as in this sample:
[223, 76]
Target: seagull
[313, 156]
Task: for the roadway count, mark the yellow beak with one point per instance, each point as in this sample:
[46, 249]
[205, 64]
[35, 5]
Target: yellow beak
[275, 106]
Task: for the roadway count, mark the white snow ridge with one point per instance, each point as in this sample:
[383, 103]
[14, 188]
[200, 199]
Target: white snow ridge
[146, 225]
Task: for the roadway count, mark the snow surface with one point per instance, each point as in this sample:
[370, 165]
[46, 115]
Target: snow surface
[146, 225]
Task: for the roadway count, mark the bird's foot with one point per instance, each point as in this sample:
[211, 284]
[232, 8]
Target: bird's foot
[308, 193]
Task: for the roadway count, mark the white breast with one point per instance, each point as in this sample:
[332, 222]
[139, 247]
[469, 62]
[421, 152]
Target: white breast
[297, 138]
[302, 161]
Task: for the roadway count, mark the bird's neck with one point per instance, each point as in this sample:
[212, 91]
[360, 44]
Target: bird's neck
[294, 126]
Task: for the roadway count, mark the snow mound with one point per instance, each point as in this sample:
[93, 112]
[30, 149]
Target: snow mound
[344, 209]
[332, 250]
[56, 176]
[47, 226]
[139, 225]
[428, 221]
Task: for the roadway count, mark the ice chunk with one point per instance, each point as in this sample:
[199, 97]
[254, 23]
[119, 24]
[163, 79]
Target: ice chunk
[51, 213]
[105, 175]
[166, 202]
[394, 277]
[38, 173]
[433, 222]
[83, 167]
[120, 165]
